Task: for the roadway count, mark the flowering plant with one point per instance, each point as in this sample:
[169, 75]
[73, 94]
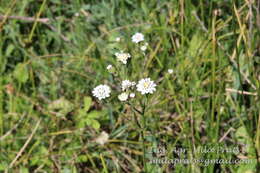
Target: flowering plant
[129, 89]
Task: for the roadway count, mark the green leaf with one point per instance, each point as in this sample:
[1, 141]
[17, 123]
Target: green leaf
[82, 158]
[93, 114]
[69, 170]
[24, 170]
[61, 106]
[3, 166]
[195, 44]
[89, 122]
[21, 73]
[87, 103]
[80, 124]
[95, 124]
[242, 135]
[248, 167]
[81, 114]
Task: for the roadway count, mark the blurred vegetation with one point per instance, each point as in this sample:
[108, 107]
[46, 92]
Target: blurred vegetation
[53, 53]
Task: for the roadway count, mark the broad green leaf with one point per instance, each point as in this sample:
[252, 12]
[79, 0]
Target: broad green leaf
[61, 106]
[87, 103]
[21, 73]
[82, 158]
[93, 114]
[3, 166]
[9, 50]
[243, 137]
[24, 170]
[81, 114]
[195, 44]
[81, 124]
[248, 167]
[89, 122]
[95, 124]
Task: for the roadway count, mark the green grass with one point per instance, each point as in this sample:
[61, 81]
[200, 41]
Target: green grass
[48, 123]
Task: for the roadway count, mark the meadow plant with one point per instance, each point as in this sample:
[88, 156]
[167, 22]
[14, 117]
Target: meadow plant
[128, 89]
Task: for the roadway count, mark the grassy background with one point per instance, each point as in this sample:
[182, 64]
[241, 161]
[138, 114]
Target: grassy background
[48, 68]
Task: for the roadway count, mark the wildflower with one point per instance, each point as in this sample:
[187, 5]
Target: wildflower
[170, 71]
[118, 39]
[121, 56]
[101, 91]
[144, 47]
[123, 96]
[133, 83]
[76, 14]
[102, 138]
[127, 84]
[132, 95]
[109, 67]
[137, 37]
[146, 86]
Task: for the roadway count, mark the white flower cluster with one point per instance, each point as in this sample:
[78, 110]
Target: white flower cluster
[170, 71]
[118, 39]
[144, 86]
[127, 84]
[138, 37]
[109, 67]
[123, 96]
[144, 47]
[123, 57]
[101, 91]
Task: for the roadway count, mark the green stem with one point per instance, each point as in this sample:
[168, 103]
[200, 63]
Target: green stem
[143, 133]
[1, 108]
[213, 68]
[37, 17]
[142, 127]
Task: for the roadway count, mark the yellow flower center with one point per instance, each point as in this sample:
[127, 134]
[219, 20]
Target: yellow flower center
[146, 84]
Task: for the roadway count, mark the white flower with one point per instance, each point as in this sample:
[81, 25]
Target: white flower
[121, 56]
[118, 39]
[170, 71]
[101, 91]
[123, 96]
[132, 95]
[102, 138]
[127, 84]
[146, 86]
[137, 37]
[76, 14]
[143, 48]
[109, 67]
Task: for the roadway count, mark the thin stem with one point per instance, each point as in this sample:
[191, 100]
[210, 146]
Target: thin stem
[142, 127]
[136, 120]
[213, 73]
[36, 21]
[143, 132]
[133, 108]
